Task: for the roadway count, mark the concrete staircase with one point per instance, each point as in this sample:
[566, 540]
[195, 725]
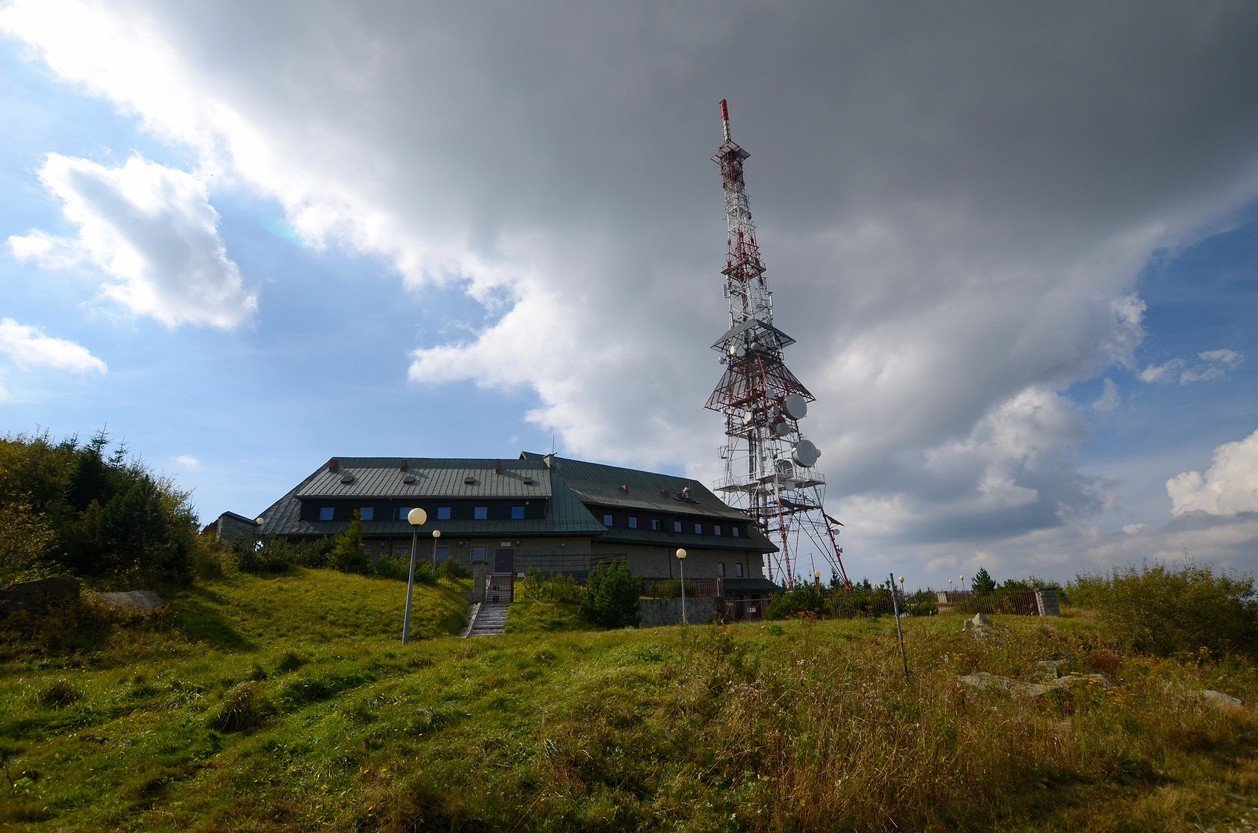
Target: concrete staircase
[490, 619]
[489, 616]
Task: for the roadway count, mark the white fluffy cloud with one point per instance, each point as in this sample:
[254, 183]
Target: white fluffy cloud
[1228, 487]
[954, 218]
[30, 348]
[188, 461]
[152, 229]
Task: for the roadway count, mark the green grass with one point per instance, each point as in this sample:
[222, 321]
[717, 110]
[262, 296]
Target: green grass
[532, 615]
[287, 703]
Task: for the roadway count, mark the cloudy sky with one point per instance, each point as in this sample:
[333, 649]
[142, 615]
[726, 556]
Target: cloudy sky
[1017, 245]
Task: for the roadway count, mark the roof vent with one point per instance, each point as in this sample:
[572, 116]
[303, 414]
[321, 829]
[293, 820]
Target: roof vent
[404, 464]
[469, 481]
[624, 487]
[663, 492]
[497, 467]
[334, 464]
[347, 478]
[408, 479]
[528, 481]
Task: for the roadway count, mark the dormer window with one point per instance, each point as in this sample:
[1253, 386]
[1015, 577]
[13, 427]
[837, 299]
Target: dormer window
[326, 513]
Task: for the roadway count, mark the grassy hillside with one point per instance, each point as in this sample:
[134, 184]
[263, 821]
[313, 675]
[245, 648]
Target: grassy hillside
[288, 703]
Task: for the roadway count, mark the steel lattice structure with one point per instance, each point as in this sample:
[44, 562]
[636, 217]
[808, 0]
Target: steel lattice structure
[768, 462]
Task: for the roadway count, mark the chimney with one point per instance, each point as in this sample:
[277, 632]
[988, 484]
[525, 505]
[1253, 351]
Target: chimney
[497, 467]
[403, 465]
[334, 464]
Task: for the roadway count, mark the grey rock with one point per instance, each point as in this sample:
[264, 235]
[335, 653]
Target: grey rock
[133, 599]
[1220, 699]
[1048, 669]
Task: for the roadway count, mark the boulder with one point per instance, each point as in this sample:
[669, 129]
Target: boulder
[1218, 698]
[38, 596]
[133, 599]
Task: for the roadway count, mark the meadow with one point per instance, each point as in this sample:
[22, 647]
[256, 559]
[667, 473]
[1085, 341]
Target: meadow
[288, 703]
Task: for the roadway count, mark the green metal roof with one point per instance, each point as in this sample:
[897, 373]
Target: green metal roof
[613, 486]
[569, 488]
[387, 477]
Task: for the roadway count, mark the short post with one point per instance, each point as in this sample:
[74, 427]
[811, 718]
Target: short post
[416, 518]
[681, 565]
[899, 632]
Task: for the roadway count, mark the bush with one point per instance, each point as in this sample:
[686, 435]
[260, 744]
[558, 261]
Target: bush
[611, 596]
[268, 555]
[453, 570]
[553, 588]
[1167, 610]
[803, 599]
[349, 549]
[671, 589]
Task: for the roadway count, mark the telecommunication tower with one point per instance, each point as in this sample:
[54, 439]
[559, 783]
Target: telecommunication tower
[769, 464]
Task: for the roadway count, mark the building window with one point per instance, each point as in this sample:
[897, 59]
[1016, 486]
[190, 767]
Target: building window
[716, 529]
[607, 521]
[720, 569]
[480, 554]
[738, 570]
[698, 529]
[480, 513]
[367, 513]
[633, 522]
[655, 524]
[676, 526]
[325, 513]
[517, 513]
[441, 554]
[734, 531]
[443, 513]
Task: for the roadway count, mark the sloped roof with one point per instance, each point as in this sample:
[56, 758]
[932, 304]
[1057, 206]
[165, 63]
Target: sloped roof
[613, 486]
[568, 487]
[385, 477]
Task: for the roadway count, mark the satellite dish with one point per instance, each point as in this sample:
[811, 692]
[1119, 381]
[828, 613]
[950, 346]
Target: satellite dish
[781, 429]
[748, 416]
[784, 468]
[806, 454]
[796, 406]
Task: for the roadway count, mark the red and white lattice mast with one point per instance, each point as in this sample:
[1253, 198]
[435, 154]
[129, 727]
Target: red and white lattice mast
[768, 463]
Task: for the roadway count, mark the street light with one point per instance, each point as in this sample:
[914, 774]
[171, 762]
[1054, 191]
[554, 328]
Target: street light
[436, 534]
[681, 564]
[416, 518]
[816, 577]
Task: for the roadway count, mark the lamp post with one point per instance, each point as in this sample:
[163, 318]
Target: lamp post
[416, 518]
[816, 579]
[436, 535]
[681, 565]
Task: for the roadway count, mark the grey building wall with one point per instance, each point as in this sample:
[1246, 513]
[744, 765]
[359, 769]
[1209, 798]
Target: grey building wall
[662, 562]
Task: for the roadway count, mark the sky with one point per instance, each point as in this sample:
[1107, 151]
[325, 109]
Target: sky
[1017, 245]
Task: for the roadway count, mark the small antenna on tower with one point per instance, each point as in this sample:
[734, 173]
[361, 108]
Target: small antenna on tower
[725, 118]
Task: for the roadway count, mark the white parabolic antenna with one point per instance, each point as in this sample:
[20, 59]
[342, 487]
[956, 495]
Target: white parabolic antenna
[806, 454]
[796, 406]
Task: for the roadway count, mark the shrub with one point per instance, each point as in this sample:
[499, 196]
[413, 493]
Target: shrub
[452, 570]
[268, 555]
[389, 567]
[803, 599]
[671, 589]
[558, 587]
[1167, 610]
[349, 550]
[611, 596]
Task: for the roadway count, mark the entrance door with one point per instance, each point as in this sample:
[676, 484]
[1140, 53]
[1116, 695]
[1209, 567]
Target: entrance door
[504, 561]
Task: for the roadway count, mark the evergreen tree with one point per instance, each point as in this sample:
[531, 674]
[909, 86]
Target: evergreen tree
[349, 549]
[611, 596]
[982, 582]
